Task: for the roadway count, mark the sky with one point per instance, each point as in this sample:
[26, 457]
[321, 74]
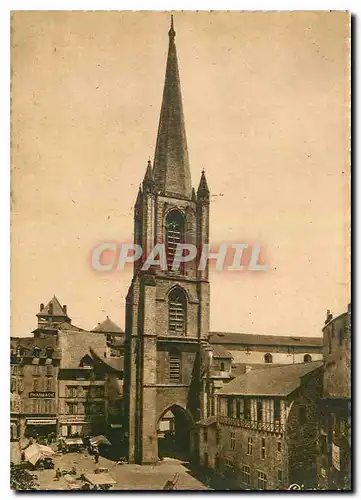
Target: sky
[266, 105]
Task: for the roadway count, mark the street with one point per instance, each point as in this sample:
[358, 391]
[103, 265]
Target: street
[127, 476]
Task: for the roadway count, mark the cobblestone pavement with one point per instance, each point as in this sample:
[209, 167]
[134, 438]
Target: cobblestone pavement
[127, 476]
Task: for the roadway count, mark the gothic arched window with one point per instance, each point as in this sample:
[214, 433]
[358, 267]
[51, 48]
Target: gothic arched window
[174, 234]
[177, 308]
[307, 358]
[268, 358]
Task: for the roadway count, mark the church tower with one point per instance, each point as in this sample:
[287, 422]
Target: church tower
[167, 311]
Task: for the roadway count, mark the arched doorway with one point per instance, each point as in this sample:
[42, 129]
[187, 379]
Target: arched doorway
[174, 433]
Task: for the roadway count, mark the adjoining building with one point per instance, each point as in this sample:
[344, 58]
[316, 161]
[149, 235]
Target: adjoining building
[114, 336]
[34, 369]
[61, 377]
[264, 432]
[252, 349]
[334, 463]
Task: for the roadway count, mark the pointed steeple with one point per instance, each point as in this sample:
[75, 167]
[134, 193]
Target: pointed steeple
[139, 200]
[194, 196]
[148, 182]
[171, 165]
[203, 190]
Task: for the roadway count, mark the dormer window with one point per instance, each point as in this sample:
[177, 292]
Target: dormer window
[268, 358]
[36, 351]
[49, 352]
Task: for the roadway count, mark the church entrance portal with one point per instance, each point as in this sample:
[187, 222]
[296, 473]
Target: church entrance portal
[174, 433]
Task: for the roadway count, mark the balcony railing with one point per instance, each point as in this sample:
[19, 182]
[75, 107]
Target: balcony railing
[274, 427]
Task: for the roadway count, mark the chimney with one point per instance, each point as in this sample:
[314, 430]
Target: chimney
[65, 309]
[50, 309]
[41, 307]
[328, 316]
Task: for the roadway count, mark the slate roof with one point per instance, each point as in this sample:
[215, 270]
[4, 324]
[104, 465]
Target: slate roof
[28, 343]
[274, 381]
[108, 326]
[220, 352]
[271, 340]
[57, 309]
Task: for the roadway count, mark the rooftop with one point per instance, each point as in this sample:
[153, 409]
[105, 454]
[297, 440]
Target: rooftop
[274, 381]
[108, 326]
[271, 340]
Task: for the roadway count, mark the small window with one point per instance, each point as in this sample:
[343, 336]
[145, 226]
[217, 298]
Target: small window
[233, 440]
[279, 446]
[247, 409]
[268, 358]
[36, 370]
[49, 384]
[36, 384]
[222, 366]
[263, 448]
[307, 358]
[250, 446]
[261, 481]
[36, 351]
[246, 475]
[174, 367]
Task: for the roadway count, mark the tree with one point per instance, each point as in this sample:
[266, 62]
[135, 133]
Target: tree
[21, 479]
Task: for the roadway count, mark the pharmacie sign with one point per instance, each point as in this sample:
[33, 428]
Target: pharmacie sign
[44, 395]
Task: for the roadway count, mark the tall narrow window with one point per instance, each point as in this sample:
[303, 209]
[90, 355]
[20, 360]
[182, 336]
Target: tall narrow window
[177, 312]
[277, 410]
[263, 448]
[174, 234]
[247, 409]
[250, 446]
[174, 367]
[233, 440]
[259, 410]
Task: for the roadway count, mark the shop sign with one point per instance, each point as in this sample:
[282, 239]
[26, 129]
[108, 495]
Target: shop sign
[43, 395]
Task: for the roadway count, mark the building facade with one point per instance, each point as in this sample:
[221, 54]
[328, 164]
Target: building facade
[334, 462]
[251, 349]
[167, 311]
[264, 433]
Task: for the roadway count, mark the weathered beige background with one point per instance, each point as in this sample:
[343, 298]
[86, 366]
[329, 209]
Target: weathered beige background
[266, 101]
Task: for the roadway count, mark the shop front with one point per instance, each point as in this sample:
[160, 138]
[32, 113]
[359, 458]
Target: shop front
[40, 427]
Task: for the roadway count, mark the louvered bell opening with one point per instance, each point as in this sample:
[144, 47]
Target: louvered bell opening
[174, 368]
[176, 317]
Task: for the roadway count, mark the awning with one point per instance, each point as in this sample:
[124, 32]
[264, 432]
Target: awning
[36, 452]
[41, 422]
[73, 441]
[102, 478]
[95, 441]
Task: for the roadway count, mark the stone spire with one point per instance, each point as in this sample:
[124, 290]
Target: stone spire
[203, 190]
[171, 165]
[148, 182]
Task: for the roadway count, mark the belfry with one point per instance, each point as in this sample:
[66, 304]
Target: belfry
[167, 311]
